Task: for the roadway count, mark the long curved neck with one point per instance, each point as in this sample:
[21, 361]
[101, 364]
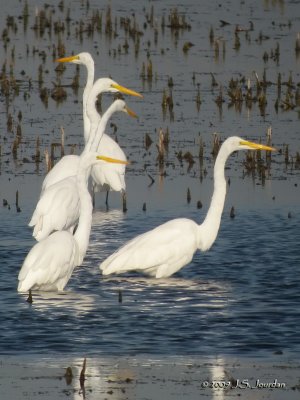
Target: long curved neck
[99, 131]
[94, 119]
[208, 230]
[86, 93]
[82, 234]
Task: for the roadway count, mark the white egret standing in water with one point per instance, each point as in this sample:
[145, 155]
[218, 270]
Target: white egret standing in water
[50, 263]
[59, 206]
[164, 250]
[67, 166]
[112, 177]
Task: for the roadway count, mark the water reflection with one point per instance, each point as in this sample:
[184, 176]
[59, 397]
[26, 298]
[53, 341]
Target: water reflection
[217, 377]
[75, 303]
[214, 292]
[103, 217]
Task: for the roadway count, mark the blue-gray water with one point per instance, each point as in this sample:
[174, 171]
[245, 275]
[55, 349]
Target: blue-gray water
[241, 297]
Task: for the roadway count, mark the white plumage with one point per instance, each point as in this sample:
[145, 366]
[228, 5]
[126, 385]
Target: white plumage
[112, 178]
[50, 262]
[58, 207]
[165, 249]
[68, 164]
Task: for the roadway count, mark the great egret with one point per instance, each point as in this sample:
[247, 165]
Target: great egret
[112, 178]
[50, 263]
[87, 60]
[59, 205]
[167, 248]
[68, 164]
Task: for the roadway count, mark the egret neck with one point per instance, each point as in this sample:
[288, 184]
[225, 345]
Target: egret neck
[212, 221]
[82, 233]
[85, 96]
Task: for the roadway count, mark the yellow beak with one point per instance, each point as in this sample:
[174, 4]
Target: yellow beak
[124, 90]
[257, 146]
[130, 112]
[67, 59]
[112, 160]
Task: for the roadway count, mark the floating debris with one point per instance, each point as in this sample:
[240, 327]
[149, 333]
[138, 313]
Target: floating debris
[237, 42]
[124, 201]
[286, 154]
[220, 99]
[17, 202]
[68, 375]
[170, 82]
[44, 96]
[29, 298]
[216, 145]
[9, 123]
[62, 152]
[199, 204]
[161, 147]
[37, 157]
[186, 47]
[198, 97]
[15, 148]
[148, 141]
[120, 296]
[149, 71]
[58, 94]
[177, 22]
[211, 35]
[214, 83]
[232, 212]
[188, 157]
[188, 196]
[82, 374]
[152, 180]
[47, 161]
[297, 45]
[201, 151]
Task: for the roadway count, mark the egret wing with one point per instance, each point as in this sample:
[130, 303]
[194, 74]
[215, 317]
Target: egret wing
[110, 175]
[49, 263]
[167, 247]
[57, 209]
[66, 166]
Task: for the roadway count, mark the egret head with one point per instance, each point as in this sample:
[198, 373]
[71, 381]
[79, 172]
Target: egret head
[81, 58]
[116, 87]
[237, 143]
[120, 105]
[108, 85]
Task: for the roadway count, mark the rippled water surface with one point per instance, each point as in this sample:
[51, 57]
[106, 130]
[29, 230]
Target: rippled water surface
[241, 297]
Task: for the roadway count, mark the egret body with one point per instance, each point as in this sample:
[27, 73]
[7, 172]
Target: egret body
[165, 249]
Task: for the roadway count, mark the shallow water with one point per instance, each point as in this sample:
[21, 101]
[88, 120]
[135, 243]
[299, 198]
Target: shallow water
[242, 297]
